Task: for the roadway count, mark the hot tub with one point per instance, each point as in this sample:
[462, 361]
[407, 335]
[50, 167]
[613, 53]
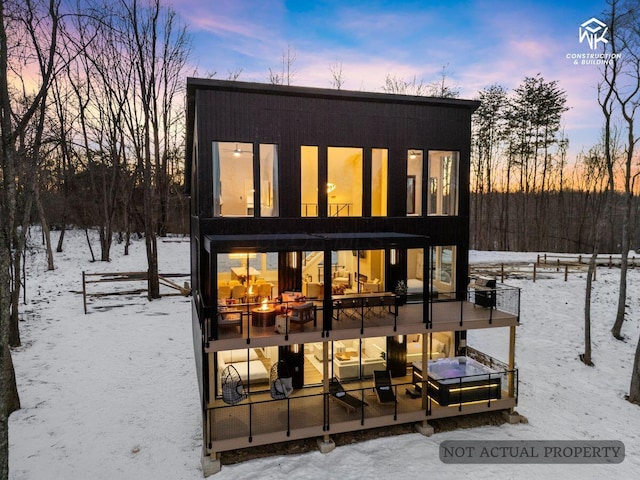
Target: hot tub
[458, 380]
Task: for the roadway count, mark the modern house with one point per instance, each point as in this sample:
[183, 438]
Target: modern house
[329, 259]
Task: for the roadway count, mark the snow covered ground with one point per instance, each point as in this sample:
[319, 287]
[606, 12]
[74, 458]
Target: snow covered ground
[113, 394]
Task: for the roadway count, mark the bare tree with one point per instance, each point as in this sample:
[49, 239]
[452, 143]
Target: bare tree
[596, 167]
[28, 30]
[337, 78]
[287, 68]
[400, 86]
[158, 47]
[622, 78]
[233, 75]
[488, 136]
[441, 88]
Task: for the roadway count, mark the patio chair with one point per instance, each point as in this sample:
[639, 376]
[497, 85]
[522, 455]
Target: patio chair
[303, 314]
[382, 386]
[350, 402]
[281, 381]
[229, 317]
[232, 388]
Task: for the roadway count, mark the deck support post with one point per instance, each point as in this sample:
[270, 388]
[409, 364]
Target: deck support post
[424, 428]
[512, 417]
[210, 464]
[326, 444]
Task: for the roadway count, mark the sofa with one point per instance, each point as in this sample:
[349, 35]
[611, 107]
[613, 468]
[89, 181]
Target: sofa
[350, 369]
[338, 347]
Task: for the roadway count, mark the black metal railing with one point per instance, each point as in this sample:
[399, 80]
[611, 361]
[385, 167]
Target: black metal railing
[361, 311]
[323, 412]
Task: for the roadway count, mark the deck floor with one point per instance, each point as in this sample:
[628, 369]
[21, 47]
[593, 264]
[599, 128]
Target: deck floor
[446, 316]
[304, 409]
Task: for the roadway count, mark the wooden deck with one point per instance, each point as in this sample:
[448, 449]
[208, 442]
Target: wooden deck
[310, 413]
[445, 316]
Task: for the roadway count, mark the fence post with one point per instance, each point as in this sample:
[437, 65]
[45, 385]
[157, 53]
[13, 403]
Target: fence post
[84, 293]
[502, 273]
[566, 272]
[558, 265]
[534, 273]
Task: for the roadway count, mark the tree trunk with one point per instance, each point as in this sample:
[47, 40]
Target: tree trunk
[586, 356]
[616, 331]
[9, 399]
[634, 389]
[45, 229]
[62, 231]
[9, 403]
[86, 234]
[14, 329]
[152, 260]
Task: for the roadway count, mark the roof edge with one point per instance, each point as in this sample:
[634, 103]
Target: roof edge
[194, 83]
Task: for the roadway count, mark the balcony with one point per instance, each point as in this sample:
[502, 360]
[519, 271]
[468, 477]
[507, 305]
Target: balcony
[313, 412]
[485, 308]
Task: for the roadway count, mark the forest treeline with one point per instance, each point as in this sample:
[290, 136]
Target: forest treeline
[92, 135]
[552, 222]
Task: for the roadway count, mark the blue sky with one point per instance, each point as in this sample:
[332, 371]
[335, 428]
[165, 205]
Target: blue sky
[481, 42]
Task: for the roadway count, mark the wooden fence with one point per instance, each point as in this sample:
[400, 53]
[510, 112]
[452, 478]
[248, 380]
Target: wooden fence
[548, 264]
[130, 278]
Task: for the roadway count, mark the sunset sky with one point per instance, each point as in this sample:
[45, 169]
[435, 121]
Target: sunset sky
[481, 42]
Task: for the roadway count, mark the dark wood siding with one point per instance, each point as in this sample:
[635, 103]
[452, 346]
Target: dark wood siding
[291, 117]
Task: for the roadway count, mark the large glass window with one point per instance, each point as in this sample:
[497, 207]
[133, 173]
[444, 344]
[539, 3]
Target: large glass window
[379, 175]
[309, 180]
[269, 181]
[313, 275]
[234, 187]
[443, 269]
[443, 183]
[233, 190]
[357, 271]
[344, 181]
[414, 182]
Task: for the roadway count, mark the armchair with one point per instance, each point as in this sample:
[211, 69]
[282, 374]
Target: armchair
[302, 314]
[229, 317]
[342, 277]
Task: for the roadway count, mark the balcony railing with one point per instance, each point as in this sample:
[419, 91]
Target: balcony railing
[261, 420]
[500, 305]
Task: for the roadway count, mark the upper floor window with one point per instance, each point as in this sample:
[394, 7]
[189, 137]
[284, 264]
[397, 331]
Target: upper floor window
[379, 177]
[344, 182]
[442, 198]
[309, 180]
[269, 181]
[235, 190]
[414, 182]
